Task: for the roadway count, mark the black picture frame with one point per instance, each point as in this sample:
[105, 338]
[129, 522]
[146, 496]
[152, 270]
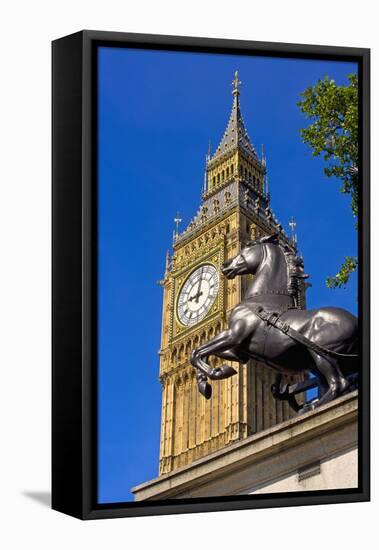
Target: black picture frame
[74, 294]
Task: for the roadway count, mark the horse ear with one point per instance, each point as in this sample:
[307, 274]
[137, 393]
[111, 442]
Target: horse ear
[274, 239]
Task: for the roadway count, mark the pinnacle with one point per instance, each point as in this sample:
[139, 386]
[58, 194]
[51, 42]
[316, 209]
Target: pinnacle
[235, 135]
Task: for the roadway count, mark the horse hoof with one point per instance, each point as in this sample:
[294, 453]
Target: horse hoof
[275, 391]
[344, 386]
[205, 389]
[307, 407]
[226, 371]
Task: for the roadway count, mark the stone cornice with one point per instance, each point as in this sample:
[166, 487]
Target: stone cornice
[261, 447]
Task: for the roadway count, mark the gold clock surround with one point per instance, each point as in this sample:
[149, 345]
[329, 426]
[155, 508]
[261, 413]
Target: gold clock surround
[211, 306]
[215, 258]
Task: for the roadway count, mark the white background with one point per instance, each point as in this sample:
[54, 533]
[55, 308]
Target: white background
[27, 29]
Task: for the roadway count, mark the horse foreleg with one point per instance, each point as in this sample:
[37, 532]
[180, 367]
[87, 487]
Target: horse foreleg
[219, 372]
[222, 343]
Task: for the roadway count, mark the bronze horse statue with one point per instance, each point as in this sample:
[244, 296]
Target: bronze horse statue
[269, 327]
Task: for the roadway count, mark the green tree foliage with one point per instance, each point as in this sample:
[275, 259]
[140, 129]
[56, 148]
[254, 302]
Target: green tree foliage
[349, 265]
[333, 133]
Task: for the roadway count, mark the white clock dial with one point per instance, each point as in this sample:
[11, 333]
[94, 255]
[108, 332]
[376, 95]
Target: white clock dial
[197, 295]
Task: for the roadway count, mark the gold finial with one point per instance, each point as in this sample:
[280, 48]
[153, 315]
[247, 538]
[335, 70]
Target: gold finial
[263, 158]
[292, 225]
[177, 222]
[236, 84]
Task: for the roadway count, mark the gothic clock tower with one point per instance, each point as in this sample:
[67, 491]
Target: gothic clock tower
[197, 301]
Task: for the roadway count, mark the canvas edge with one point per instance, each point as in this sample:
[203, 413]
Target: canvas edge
[82, 376]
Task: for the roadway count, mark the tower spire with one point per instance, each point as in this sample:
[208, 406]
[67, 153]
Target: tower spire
[235, 135]
[236, 85]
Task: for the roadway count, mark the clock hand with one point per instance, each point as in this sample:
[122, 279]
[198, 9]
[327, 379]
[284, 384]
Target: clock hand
[198, 294]
[195, 296]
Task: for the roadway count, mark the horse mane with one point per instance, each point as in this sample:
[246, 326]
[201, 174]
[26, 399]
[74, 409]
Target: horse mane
[295, 264]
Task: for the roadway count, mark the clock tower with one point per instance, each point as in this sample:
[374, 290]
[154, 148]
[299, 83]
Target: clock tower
[198, 299]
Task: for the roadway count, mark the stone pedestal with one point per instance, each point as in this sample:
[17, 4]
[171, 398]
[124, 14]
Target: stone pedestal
[314, 451]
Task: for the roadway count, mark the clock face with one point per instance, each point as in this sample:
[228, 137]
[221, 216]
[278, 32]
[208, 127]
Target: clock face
[197, 295]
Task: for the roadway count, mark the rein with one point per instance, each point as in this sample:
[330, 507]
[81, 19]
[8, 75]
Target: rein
[268, 292]
[273, 319]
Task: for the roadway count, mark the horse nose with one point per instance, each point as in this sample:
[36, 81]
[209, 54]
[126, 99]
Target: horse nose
[226, 263]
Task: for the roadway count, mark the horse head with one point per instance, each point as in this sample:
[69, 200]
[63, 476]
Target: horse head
[249, 259]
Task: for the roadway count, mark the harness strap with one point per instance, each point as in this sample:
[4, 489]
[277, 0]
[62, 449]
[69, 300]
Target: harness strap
[273, 319]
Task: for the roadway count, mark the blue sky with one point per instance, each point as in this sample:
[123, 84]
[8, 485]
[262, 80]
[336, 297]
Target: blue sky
[157, 112]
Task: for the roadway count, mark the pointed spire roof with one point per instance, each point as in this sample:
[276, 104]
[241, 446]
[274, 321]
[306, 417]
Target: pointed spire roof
[235, 135]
